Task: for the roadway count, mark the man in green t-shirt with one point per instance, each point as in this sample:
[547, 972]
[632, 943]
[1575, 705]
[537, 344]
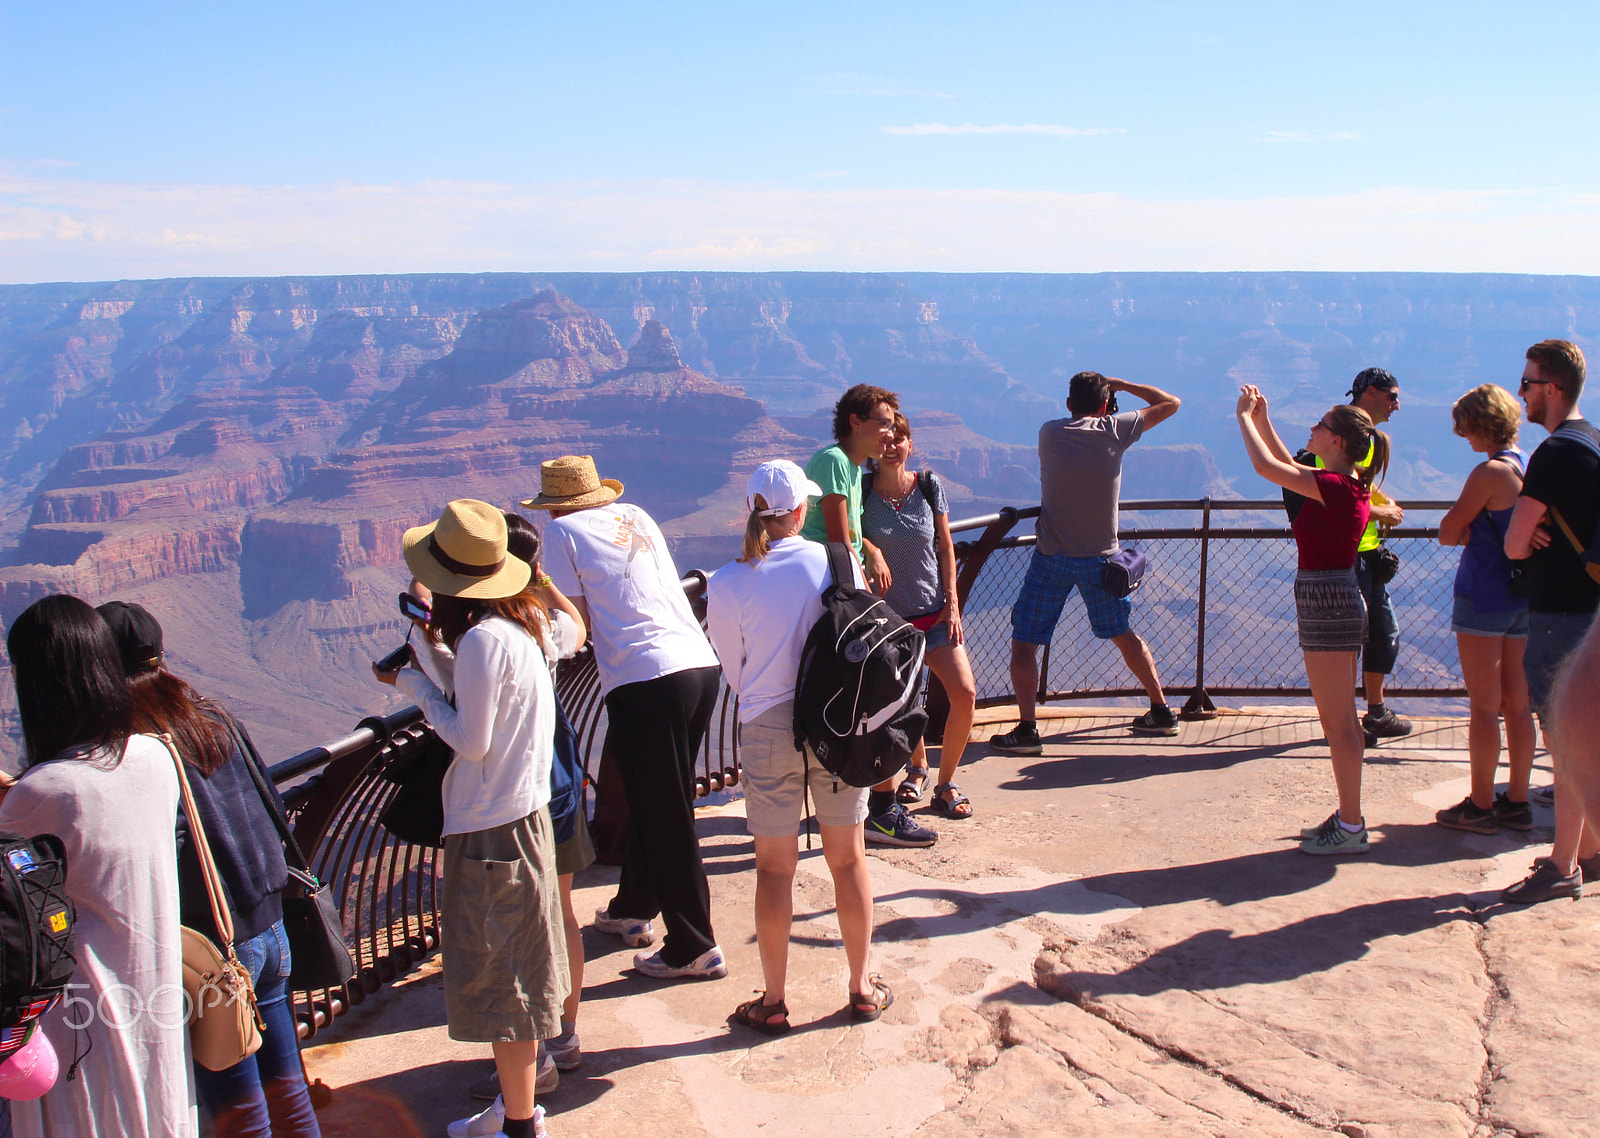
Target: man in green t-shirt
[863, 421]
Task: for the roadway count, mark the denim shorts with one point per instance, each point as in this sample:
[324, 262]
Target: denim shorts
[1466, 620]
[1051, 577]
[1551, 636]
[937, 637]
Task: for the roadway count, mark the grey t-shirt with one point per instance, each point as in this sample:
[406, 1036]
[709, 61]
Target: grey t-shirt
[905, 537]
[1080, 466]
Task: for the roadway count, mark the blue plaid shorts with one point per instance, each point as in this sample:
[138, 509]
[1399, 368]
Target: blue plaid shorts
[1051, 577]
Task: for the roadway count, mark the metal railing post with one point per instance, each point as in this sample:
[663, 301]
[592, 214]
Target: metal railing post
[1199, 705]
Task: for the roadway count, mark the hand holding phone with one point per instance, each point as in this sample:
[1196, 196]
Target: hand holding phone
[413, 609]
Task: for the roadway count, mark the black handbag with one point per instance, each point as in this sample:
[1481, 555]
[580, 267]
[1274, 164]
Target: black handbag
[1383, 563]
[416, 812]
[1124, 571]
[318, 954]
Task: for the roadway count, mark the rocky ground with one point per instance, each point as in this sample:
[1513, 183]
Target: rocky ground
[1123, 941]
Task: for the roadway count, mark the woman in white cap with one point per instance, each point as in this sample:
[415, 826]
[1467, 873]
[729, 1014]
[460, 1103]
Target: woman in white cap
[760, 609]
[506, 975]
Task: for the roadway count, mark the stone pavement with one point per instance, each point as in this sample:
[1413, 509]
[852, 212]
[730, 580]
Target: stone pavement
[1123, 941]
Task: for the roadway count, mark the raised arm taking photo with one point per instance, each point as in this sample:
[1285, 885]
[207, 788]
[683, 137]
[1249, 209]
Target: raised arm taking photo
[1162, 404]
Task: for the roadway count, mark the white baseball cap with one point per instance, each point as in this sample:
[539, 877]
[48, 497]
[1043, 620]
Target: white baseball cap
[782, 484]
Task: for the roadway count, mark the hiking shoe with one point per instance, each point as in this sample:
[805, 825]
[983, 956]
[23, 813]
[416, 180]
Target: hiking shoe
[490, 1122]
[547, 1079]
[1332, 838]
[1156, 721]
[1386, 726]
[1543, 795]
[635, 933]
[1467, 815]
[895, 827]
[1020, 740]
[1545, 883]
[565, 1052]
[709, 965]
[1512, 815]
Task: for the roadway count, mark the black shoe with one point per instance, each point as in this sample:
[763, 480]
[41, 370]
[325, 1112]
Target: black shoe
[1545, 883]
[1156, 721]
[1512, 815]
[1368, 740]
[1467, 815]
[1386, 726]
[1589, 868]
[1023, 739]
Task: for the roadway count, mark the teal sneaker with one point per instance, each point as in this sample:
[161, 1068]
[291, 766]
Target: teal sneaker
[1332, 838]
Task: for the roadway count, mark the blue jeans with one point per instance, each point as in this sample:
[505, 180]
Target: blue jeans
[264, 1095]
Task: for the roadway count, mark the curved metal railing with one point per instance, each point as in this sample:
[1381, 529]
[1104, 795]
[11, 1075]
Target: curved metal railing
[1216, 608]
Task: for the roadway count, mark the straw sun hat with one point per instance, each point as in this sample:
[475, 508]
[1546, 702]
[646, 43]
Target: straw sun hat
[463, 554]
[572, 483]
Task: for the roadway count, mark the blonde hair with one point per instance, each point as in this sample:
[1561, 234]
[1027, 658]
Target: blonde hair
[756, 542]
[1356, 433]
[1490, 411]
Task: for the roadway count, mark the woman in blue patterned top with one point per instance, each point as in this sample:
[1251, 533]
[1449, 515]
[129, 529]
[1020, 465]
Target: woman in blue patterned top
[906, 516]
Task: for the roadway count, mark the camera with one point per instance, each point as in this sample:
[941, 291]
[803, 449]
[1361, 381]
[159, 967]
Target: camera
[414, 609]
[395, 660]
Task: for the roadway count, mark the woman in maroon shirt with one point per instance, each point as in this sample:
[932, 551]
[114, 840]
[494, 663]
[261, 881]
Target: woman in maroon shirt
[1327, 601]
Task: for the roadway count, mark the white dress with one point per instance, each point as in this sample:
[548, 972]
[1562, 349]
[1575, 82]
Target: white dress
[117, 823]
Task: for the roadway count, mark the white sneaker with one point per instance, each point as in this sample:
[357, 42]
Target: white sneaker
[709, 965]
[564, 1051]
[491, 1121]
[634, 932]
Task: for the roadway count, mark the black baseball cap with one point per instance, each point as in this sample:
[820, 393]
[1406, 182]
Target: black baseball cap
[137, 633]
[1373, 377]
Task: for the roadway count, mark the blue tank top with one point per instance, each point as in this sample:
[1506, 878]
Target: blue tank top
[1484, 574]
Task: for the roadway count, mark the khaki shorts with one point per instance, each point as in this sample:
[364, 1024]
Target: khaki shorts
[772, 774]
[505, 947]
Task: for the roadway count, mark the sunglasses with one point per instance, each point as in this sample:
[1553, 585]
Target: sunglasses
[1522, 389]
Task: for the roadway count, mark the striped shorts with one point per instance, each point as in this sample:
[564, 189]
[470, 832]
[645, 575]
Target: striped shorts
[1333, 617]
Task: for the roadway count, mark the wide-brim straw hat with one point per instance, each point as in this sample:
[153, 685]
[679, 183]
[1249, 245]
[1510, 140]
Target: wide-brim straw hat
[463, 554]
[572, 483]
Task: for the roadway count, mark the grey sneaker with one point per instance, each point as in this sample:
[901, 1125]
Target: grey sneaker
[1386, 726]
[1332, 838]
[1156, 721]
[1545, 883]
[635, 933]
[1020, 740]
[709, 965]
[896, 827]
[1542, 795]
[565, 1051]
[1467, 815]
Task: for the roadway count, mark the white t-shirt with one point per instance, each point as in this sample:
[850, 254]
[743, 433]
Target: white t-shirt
[502, 727]
[760, 615]
[615, 558]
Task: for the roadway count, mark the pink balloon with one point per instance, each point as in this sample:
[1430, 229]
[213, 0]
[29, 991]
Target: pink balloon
[31, 1070]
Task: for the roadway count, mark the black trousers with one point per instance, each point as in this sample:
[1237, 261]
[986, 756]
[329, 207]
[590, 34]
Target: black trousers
[655, 728]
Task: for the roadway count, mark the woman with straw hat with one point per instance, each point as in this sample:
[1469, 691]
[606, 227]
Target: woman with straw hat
[507, 971]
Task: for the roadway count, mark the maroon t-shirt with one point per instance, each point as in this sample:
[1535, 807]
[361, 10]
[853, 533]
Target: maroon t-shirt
[1328, 532]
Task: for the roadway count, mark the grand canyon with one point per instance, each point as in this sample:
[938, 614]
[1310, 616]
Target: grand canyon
[241, 455]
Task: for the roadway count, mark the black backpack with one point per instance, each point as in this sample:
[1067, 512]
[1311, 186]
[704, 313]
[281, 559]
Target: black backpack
[855, 700]
[36, 920]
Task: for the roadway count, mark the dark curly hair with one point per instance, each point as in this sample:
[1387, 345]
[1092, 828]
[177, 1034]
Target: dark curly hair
[859, 401]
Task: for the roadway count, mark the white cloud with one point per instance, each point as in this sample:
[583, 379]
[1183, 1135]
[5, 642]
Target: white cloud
[1004, 128]
[1310, 136]
[66, 230]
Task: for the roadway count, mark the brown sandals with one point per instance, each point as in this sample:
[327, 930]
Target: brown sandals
[868, 1006]
[768, 1019]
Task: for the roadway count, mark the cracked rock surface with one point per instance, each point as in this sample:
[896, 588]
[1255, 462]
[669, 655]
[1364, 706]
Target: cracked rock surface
[1123, 941]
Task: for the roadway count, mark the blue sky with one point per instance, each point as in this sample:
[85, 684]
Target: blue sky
[187, 138]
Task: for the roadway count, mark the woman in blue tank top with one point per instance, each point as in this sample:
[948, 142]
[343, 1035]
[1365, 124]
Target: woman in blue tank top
[1489, 620]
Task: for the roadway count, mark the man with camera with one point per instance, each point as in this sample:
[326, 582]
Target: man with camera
[1080, 468]
[1553, 522]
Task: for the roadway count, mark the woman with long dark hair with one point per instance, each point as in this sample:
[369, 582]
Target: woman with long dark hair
[1328, 605]
[506, 974]
[111, 798]
[263, 1095]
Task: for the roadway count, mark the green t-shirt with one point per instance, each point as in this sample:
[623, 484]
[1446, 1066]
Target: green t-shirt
[831, 469]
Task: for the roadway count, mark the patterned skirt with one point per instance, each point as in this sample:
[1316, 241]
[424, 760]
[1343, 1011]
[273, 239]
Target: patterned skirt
[1333, 616]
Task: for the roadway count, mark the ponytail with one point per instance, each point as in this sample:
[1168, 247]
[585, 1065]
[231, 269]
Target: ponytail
[1359, 438]
[1375, 470]
[756, 543]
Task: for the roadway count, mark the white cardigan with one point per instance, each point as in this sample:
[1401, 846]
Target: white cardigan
[502, 727]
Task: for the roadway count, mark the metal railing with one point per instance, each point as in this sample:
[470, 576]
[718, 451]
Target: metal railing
[1216, 608]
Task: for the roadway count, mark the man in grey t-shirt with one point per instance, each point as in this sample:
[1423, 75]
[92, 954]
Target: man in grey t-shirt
[1080, 466]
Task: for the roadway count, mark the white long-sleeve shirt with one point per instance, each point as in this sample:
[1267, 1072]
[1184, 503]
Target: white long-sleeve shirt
[502, 727]
[758, 617]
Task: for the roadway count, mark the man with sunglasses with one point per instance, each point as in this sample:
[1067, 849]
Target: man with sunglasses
[1562, 486]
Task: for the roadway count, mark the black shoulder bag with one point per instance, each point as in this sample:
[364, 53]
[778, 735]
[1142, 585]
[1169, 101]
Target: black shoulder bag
[318, 954]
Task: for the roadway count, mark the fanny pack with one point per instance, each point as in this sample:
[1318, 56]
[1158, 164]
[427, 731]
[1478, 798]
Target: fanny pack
[1124, 571]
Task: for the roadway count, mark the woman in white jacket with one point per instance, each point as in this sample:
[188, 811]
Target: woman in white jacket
[760, 609]
[506, 974]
